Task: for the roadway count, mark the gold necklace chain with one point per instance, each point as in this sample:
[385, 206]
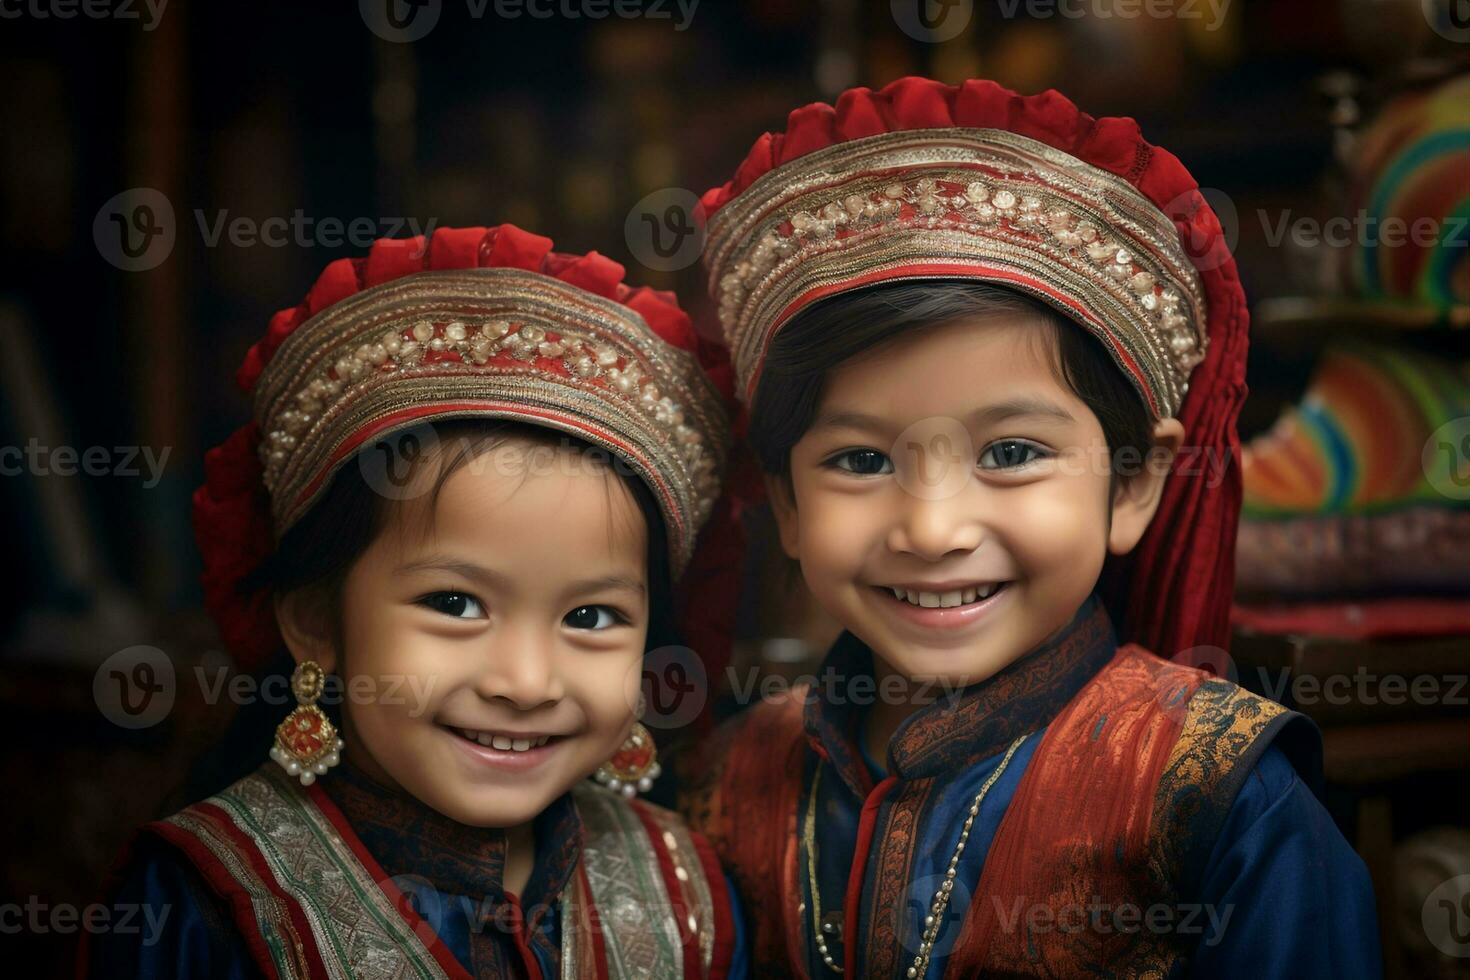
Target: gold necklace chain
[941, 896]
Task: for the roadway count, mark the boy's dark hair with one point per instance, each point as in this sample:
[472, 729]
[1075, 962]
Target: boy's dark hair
[824, 335]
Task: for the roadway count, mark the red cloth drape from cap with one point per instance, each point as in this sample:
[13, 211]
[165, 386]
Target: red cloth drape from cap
[1173, 591]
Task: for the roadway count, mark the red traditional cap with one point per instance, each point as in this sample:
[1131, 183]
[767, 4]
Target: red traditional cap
[922, 180]
[473, 322]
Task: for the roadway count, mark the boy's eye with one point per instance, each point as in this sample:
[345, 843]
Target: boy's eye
[455, 604]
[862, 462]
[592, 618]
[1010, 453]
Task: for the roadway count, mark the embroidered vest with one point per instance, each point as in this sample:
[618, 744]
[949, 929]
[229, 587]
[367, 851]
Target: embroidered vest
[647, 898]
[1120, 805]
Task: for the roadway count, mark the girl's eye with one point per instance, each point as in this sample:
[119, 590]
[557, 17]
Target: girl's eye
[1010, 453]
[862, 462]
[593, 618]
[455, 604]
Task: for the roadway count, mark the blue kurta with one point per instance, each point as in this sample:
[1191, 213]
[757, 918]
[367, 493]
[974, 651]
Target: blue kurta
[1283, 894]
[1247, 876]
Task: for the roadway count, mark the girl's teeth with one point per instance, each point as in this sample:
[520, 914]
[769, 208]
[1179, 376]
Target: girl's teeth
[504, 742]
[968, 596]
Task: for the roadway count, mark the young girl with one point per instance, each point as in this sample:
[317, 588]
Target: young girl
[994, 352]
[483, 463]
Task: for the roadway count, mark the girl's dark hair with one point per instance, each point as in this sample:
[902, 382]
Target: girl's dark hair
[318, 552]
[821, 337]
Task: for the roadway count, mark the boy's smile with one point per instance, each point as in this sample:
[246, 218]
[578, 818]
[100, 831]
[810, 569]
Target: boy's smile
[945, 605]
[950, 503]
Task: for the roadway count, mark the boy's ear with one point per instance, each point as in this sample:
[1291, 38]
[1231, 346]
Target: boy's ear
[1138, 496]
[783, 506]
[305, 625]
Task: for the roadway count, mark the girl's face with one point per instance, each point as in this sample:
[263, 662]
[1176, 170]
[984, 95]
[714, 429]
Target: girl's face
[499, 639]
[950, 503]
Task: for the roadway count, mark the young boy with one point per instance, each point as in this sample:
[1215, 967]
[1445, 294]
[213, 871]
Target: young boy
[994, 351]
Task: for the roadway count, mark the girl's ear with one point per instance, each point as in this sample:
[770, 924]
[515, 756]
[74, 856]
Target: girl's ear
[1137, 497]
[783, 506]
[305, 624]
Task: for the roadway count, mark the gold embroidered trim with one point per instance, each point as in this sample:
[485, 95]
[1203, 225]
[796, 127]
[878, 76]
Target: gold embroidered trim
[984, 198]
[510, 344]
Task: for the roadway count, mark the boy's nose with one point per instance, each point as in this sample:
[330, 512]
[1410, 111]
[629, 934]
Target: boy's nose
[932, 529]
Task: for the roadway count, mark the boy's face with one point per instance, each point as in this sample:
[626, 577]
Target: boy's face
[952, 467]
[500, 644]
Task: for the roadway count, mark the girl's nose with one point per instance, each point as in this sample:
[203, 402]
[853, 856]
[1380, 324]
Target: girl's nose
[522, 668]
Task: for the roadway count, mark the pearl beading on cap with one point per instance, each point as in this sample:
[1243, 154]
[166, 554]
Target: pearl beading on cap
[957, 203]
[978, 205]
[476, 344]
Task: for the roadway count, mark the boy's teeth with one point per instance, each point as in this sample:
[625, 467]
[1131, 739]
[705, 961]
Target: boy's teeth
[945, 600]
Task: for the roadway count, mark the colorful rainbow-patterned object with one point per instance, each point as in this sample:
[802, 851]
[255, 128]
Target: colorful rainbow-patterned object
[1340, 495]
[1413, 166]
[1354, 443]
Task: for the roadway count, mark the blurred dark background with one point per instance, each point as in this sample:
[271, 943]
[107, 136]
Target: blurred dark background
[562, 125]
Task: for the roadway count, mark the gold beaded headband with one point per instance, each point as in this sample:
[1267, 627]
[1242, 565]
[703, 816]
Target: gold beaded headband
[960, 203]
[495, 342]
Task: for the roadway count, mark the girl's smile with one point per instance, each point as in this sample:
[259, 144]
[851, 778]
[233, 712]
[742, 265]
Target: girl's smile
[506, 751]
[519, 595]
